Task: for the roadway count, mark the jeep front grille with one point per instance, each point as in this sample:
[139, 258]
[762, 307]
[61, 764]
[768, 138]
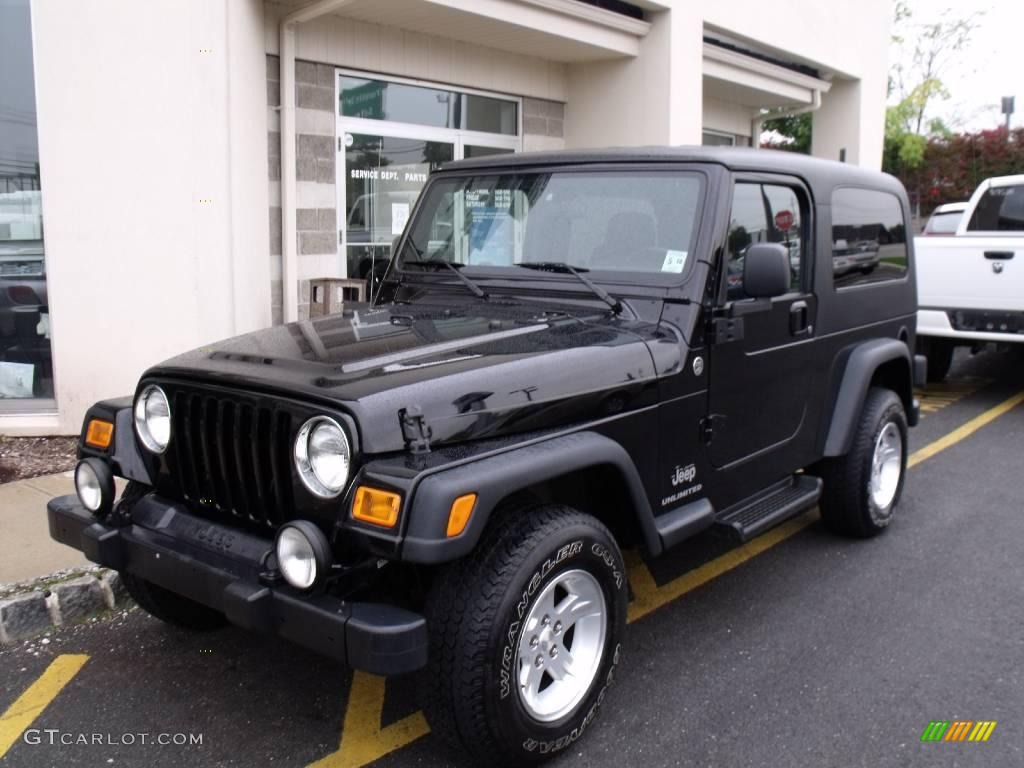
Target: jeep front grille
[232, 457]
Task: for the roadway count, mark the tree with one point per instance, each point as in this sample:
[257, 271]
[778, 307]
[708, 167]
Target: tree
[796, 128]
[923, 54]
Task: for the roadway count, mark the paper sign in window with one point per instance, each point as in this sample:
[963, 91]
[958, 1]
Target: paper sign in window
[399, 216]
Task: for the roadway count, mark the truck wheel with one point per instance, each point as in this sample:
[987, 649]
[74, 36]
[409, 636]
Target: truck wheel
[863, 487]
[170, 607]
[940, 357]
[525, 636]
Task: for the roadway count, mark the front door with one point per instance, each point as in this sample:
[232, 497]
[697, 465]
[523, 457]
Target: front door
[760, 382]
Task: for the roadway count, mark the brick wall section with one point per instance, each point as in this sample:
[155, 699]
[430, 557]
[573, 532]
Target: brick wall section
[315, 169]
[543, 118]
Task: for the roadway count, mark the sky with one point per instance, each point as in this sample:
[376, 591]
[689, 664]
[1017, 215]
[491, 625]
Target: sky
[990, 66]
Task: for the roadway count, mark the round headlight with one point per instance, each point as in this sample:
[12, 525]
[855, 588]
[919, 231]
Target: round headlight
[153, 419]
[94, 484]
[322, 456]
[303, 554]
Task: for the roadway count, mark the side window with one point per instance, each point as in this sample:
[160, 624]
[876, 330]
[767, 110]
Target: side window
[999, 209]
[763, 213]
[869, 237]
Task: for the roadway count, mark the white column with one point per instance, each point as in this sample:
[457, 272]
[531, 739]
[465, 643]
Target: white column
[653, 98]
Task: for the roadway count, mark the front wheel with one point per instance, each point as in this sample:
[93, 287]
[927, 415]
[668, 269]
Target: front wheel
[525, 636]
[862, 488]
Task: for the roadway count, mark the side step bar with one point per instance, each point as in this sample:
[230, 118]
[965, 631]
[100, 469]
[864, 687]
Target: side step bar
[752, 517]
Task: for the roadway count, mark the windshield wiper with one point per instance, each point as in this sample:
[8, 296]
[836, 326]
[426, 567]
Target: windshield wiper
[577, 272]
[476, 289]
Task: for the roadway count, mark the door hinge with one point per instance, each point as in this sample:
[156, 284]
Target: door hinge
[707, 427]
[727, 329]
[415, 430]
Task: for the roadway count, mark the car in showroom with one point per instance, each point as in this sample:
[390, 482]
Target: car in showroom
[562, 363]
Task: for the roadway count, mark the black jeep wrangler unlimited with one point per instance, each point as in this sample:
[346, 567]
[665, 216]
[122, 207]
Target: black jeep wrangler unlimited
[570, 354]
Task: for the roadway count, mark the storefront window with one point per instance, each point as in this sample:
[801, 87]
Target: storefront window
[393, 136]
[26, 369]
[384, 178]
[401, 103]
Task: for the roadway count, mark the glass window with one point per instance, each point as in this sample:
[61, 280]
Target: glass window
[623, 221]
[712, 139]
[469, 150]
[1000, 209]
[763, 213]
[26, 369]
[869, 237]
[944, 223]
[384, 176]
[401, 103]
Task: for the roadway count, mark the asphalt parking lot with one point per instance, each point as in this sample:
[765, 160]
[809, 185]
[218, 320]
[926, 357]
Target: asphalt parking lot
[798, 649]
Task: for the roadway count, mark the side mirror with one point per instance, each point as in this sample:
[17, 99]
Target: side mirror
[766, 271]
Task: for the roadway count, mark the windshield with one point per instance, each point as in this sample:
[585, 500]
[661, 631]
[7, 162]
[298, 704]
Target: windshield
[621, 221]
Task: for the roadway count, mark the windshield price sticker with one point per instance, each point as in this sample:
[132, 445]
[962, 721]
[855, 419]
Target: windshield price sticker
[674, 261]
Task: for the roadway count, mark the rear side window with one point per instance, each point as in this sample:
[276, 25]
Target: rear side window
[1000, 209]
[869, 237]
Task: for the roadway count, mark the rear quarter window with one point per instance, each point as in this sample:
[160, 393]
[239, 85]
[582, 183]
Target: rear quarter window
[869, 237]
[999, 209]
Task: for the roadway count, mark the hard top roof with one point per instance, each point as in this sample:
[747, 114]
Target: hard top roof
[816, 171]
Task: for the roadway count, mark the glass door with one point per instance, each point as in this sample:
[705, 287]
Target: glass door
[383, 176]
[392, 134]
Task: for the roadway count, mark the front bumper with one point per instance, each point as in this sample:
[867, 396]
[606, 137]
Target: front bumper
[221, 567]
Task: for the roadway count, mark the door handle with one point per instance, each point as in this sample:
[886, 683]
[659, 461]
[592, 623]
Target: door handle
[798, 319]
[1001, 255]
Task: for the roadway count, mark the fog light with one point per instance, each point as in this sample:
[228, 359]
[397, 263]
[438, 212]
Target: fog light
[303, 554]
[94, 483]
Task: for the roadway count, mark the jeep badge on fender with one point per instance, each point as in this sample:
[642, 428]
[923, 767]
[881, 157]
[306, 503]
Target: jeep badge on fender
[568, 355]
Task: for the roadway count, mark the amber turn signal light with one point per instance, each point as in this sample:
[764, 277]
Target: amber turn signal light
[376, 507]
[461, 511]
[99, 434]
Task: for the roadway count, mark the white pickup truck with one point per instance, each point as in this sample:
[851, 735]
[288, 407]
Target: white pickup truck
[970, 287]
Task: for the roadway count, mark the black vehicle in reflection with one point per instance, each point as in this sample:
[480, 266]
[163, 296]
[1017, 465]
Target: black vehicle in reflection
[24, 316]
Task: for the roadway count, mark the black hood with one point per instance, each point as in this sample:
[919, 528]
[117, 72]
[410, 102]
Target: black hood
[482, 370]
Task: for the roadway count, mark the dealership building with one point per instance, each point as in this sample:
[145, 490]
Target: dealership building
[174, 172]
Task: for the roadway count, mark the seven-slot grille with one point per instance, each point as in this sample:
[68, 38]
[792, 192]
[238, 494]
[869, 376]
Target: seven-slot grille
[232, 456]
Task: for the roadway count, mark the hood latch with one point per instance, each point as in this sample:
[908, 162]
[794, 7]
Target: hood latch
[415, 430]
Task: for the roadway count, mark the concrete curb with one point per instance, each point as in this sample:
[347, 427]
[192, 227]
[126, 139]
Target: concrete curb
[32, 608]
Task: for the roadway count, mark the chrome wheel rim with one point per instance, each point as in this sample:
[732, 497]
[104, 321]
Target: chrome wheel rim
[886, 466]
[561, 646]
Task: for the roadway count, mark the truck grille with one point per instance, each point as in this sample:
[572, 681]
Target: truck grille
[230, 458]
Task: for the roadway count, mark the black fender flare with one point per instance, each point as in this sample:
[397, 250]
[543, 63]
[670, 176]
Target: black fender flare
[495, 477]
[124, 457]
[861, 363]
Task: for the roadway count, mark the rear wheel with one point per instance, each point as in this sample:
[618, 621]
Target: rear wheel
[525, 636]
[940, 356]
[863, 487]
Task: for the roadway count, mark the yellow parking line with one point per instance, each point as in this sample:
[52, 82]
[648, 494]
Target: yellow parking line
[364, 741]
[362, 738]
[965, 430]
[37, 697]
